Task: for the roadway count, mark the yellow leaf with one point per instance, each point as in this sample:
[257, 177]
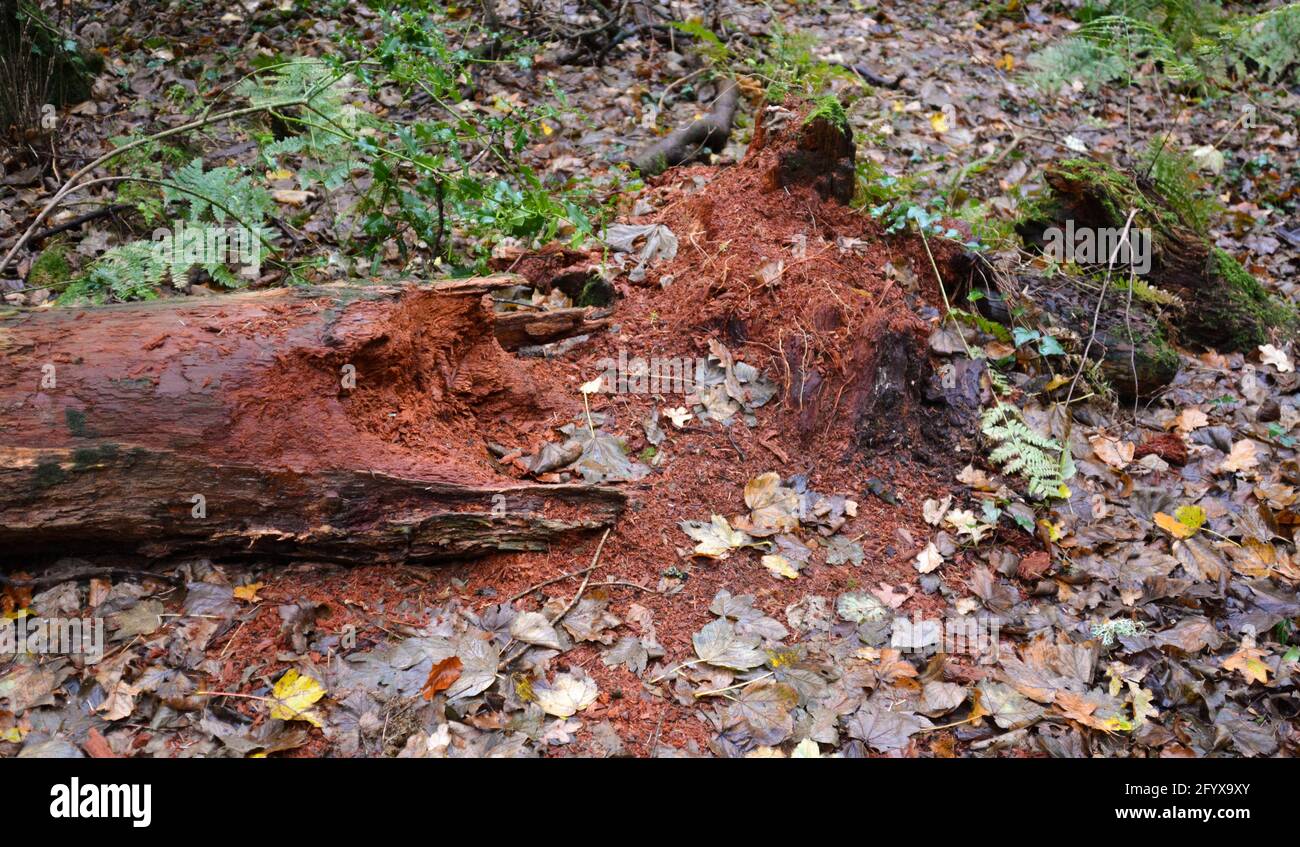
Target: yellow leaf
[1173, 526]
[780, 566]
[291, 196]
[939, 122]
[294, 695]
[248, 593]
[546, 129]
[275, 176]
[1006, 63]
[1056, 382]
[1192, 517]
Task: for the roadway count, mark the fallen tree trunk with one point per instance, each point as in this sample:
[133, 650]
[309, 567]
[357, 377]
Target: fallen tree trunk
[684, 144]
[341, 423]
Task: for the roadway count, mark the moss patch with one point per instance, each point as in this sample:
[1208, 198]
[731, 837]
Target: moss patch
[1241, 313]
[51, 269]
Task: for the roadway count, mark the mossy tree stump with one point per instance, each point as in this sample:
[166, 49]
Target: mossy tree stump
[1222, 307]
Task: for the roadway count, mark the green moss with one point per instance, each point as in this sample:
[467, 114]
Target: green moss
[829, 108]
[48, 473]
[51, 269]
[1243, 312]
[1118, 193]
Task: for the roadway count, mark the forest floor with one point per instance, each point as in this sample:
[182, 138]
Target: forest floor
[792, 546]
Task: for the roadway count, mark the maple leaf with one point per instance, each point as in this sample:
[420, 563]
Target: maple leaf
[929, 559]
[1242, 457]
[1248, 662]
[293, 697]
[248, 593]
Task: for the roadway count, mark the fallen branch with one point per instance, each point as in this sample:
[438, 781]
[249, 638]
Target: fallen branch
[682, 145]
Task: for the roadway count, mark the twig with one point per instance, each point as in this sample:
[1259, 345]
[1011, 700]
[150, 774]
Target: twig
[86, 573]
[595, 562]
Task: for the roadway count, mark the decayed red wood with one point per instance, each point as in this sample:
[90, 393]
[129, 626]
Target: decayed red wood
[334, 422]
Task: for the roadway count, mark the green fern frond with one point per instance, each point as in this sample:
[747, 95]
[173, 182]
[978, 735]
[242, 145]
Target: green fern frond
[220, 192]
[1020, 451]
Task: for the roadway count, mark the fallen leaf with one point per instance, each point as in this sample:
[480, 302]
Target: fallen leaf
[441, 676]
[1270, 355]
[929, 559]
[247, 593]
[1242, 457]
[293, 697]
[567, 695]
[1248, 662]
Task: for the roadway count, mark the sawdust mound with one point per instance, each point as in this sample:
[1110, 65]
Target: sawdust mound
[774, 260]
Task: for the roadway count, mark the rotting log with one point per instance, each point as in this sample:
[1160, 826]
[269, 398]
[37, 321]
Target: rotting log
[1223, 306]
[1130, 344]
[345, 423]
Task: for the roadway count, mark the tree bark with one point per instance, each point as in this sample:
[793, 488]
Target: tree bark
[334, 423]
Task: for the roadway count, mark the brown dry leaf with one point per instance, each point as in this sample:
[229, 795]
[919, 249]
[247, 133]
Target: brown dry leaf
[1112, 451]
[894, 668]
[773, 507]
[1242, 458]
[441, 676]
[1248, 662]
[1191, 418]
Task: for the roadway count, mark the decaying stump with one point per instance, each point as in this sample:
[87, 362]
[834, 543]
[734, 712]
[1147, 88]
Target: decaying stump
[343, 423]
[1223, 306]
[1131, 346]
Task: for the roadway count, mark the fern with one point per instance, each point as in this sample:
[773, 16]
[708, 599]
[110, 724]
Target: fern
[131, 271]
[1193, 41]
[1020, 450]
[1106, 49]
[220, 192]
[1271, 40]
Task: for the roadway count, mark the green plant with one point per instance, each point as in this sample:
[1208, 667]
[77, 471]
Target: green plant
[1189, 41]
[1018, 449]
[444, 186]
